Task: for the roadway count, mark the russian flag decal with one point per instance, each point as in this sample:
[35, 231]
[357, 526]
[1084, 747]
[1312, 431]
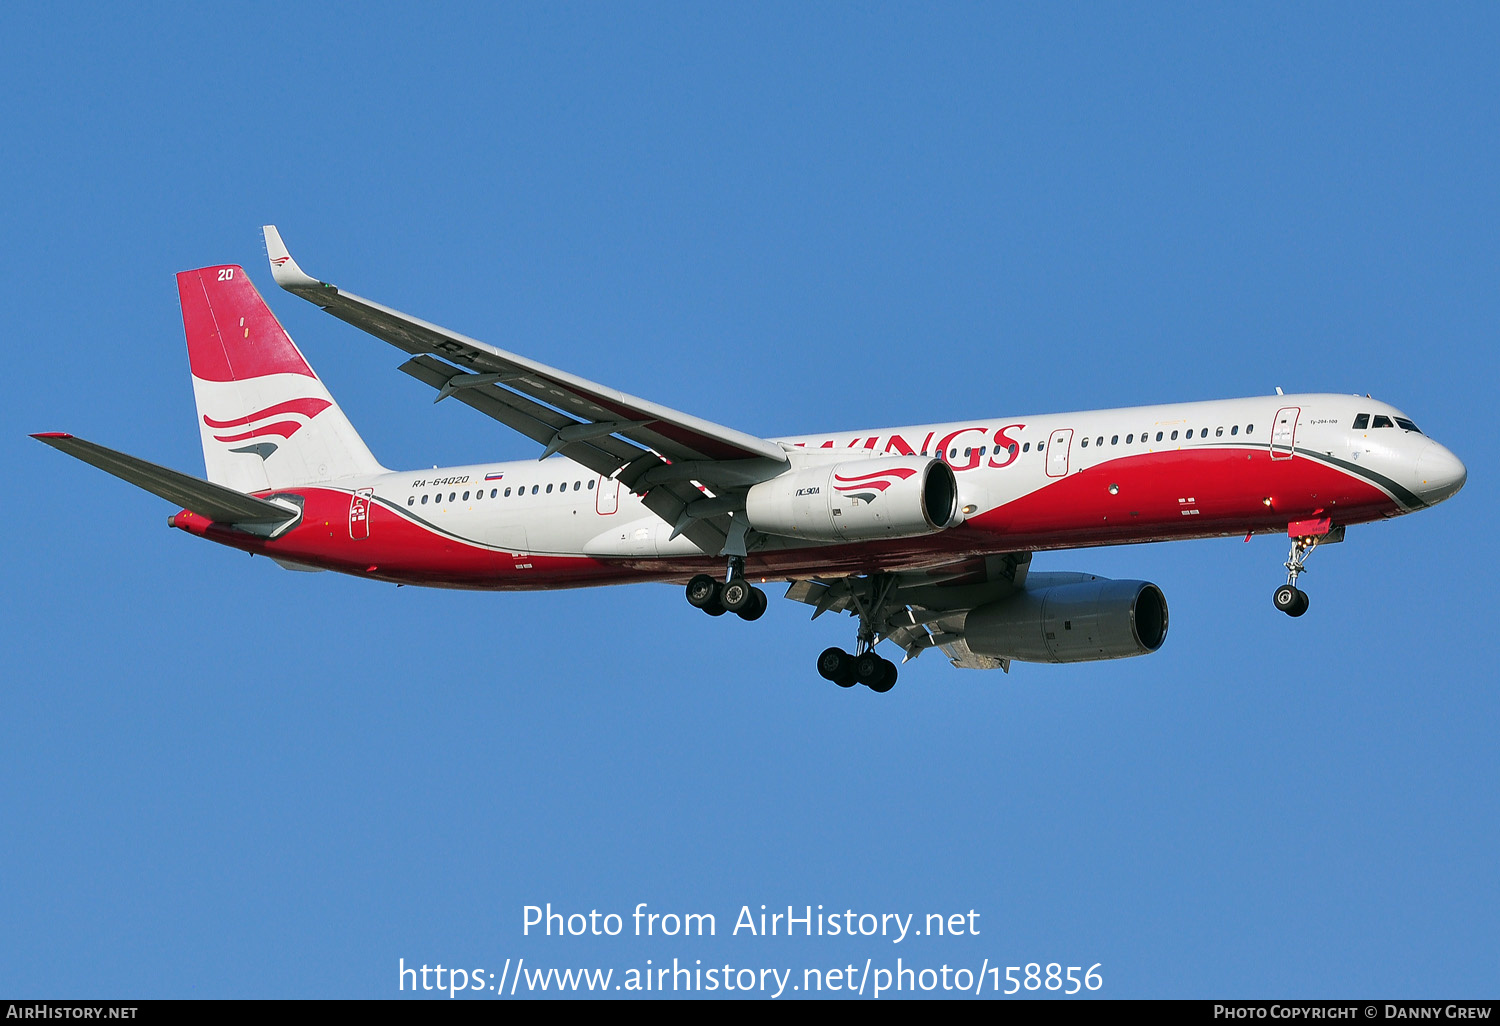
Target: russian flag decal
[493, 477]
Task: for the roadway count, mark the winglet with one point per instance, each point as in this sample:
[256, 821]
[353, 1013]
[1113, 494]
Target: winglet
[283, 268]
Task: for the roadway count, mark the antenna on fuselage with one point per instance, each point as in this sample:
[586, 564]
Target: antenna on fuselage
[1279, 391]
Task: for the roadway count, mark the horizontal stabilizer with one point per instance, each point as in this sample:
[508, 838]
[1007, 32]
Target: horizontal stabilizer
[218, 503]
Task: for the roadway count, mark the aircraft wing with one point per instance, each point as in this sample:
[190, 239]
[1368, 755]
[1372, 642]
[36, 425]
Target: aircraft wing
[678, 436]
[924, 608]
[658, 452]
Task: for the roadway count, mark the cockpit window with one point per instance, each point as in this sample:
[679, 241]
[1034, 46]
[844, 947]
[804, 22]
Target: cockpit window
[1406, 425]
[1362, 422]
[1382, 421]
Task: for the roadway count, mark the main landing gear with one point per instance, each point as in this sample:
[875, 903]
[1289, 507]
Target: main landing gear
[1290, 599]
[864, 667]
[867, 668]
[736, 595]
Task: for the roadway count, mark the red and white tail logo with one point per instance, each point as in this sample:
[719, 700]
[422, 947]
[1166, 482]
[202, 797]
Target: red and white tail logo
[284, 419]
[257, 396]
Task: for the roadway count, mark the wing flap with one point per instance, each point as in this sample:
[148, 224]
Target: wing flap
[606, 455]
[602, 454]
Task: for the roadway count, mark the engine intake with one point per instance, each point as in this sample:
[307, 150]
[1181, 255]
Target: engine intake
[861, 500]
[1076, 621]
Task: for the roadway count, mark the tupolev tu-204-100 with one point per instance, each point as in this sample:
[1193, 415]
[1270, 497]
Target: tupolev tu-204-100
[925, 534]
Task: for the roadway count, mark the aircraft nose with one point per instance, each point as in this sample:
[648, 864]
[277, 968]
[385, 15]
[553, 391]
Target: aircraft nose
[1440, 474]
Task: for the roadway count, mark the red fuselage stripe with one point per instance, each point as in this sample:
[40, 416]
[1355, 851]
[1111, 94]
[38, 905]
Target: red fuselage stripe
[1145, 497]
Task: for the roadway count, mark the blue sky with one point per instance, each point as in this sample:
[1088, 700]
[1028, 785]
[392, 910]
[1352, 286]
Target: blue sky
[222, 779]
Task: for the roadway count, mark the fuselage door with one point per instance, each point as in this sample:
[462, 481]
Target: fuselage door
[1284, 432]
[607, 496]
[359, 514]
[1057, 452]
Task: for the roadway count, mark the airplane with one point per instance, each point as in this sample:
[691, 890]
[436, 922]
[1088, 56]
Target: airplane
[924, 534]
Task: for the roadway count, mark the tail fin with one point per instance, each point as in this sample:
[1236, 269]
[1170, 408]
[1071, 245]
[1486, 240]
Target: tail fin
[265, 418]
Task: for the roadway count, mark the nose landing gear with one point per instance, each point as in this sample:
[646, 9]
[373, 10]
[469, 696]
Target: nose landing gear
[1290, 599]
[736, 595]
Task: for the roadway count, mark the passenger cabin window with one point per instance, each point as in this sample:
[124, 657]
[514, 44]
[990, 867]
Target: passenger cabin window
[411, 500]
[1218, 432]
[1381, 421]
[1114, 440]
[1362, 422]
[1234, 430]
[424, 500]
[1158, 436]
[1174, 436]
[1129, 438]
[494, 491]
[535, 489]
[466, 496]
[549, 489]
[507, 493]
[591, 486]
[1026, 447]
[1085, 443]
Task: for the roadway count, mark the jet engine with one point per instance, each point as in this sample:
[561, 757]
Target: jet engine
[1070, 618]
[860, 500]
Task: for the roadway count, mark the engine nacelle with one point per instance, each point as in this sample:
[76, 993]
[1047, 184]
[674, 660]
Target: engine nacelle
[1080, 619]
[860, 500]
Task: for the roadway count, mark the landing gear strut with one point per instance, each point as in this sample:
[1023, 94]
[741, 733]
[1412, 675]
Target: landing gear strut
[865, 666]
[736, 595]
[1290, 599]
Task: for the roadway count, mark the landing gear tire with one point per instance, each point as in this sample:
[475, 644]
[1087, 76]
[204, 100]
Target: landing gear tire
[871, 597]
[838, 666]
[703, 592]
[757, 608]
[739, 596]
[1291, 601]
[875, 673]
[888, 680]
